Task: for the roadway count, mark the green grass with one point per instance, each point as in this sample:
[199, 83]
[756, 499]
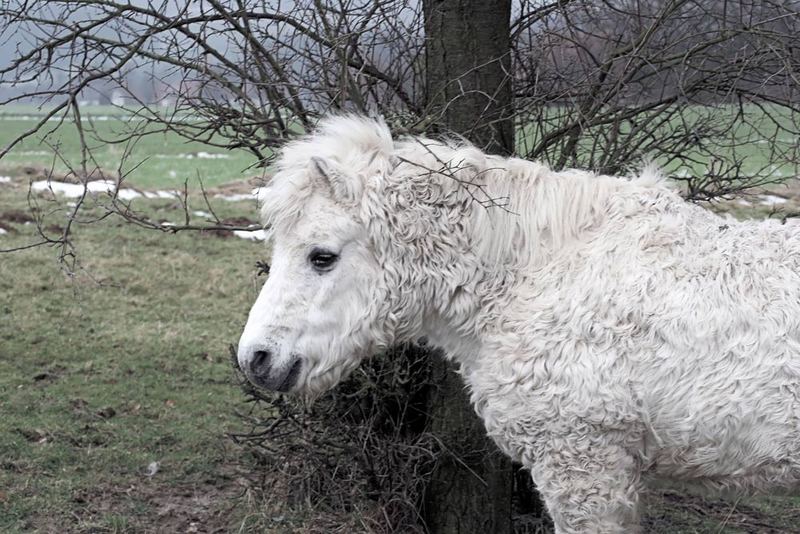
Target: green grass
[166, 160]
[123, 365]
[761, 135]
[156, 160]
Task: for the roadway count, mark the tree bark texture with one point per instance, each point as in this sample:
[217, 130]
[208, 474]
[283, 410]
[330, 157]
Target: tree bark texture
[471, 488]
[468, 70]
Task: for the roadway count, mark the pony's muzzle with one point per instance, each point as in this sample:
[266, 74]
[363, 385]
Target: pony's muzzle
[259, 367]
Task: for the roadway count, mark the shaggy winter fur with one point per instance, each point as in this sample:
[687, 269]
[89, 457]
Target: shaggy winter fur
[607, 330]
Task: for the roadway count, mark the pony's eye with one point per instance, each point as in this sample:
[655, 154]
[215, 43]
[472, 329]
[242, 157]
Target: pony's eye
[322, 260]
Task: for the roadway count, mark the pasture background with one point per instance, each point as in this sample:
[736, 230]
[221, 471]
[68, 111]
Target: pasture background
[757, 130]
[159, 159]
[116, 388]
[164, 159]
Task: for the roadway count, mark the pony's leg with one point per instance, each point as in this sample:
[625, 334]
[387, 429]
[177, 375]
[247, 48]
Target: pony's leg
[589, 484]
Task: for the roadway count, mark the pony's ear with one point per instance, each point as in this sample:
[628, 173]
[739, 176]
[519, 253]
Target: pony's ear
[346, 189]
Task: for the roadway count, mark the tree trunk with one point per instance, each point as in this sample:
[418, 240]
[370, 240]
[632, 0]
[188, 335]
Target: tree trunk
[471, 487]
[468, 70]
[469, 93]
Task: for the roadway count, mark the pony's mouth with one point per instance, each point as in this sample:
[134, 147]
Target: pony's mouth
[291, 377]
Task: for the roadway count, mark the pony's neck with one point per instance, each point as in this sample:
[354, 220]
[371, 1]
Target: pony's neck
[478, 226]
[537, 214]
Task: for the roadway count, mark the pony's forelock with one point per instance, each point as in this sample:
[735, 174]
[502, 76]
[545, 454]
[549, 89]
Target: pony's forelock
[361, 146]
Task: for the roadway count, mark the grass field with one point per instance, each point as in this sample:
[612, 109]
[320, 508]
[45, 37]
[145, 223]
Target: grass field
[759, 131]
[124, 365]
[116, 390]
[157, 159]
[166, 160]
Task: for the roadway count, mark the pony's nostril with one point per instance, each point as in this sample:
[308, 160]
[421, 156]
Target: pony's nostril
[259, 365]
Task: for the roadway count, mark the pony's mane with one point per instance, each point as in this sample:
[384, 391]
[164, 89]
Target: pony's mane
[539, 211]
[521, 208]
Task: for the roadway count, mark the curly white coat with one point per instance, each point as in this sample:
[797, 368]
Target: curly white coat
[608, 331]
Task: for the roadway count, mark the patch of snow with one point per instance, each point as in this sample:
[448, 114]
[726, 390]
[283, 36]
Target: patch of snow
[198, 155]
[255, 194]
[683, 173]
[168, 224]
[209, 155]
[5, 179]
[3, 231]
[743, 202]
[173, 174]
[772, 200]
[235, 198]
[76, 190]
[161, 194]
[70, 190]
[73, 190]
[252, 235]
[199, 213]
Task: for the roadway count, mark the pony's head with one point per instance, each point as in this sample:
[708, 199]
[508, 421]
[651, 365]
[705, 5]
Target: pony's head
[318, 314]
[376, 242]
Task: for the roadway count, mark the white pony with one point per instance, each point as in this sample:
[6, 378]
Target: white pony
[608, 331]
